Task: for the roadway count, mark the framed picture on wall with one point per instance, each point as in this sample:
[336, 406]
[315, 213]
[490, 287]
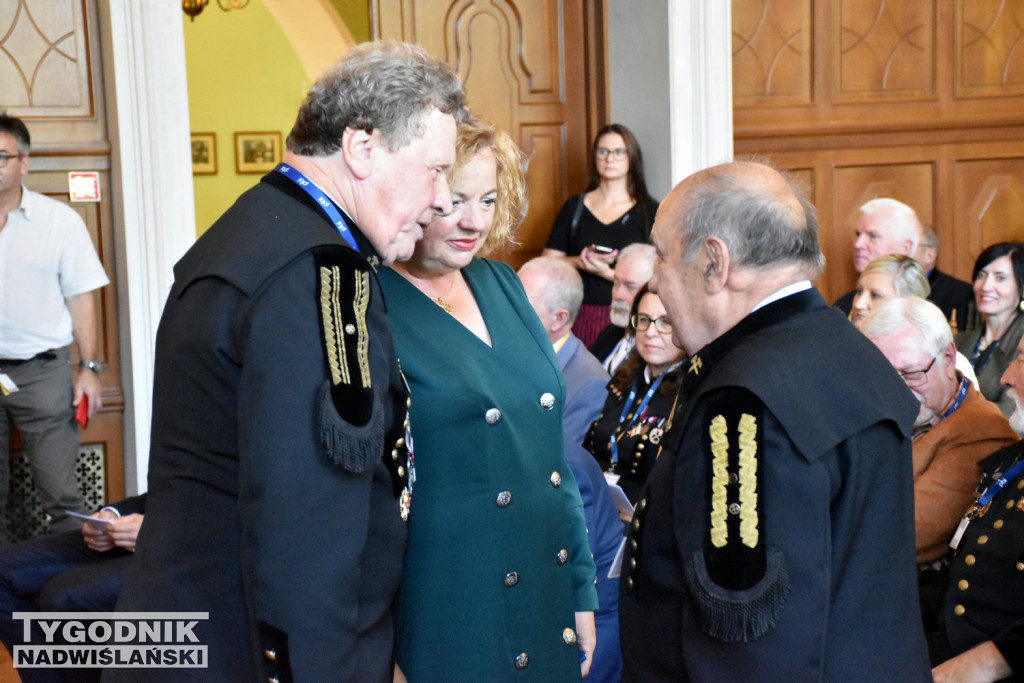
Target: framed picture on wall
[257, 152]
[204, 153]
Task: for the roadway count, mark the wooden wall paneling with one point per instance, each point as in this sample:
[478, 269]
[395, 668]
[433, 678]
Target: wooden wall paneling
[772, 52]
[106, 426]
[525, 66]
[987, 41]
[883, 50]
[989, 196]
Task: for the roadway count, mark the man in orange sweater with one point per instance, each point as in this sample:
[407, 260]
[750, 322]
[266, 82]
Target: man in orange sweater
[955, 429]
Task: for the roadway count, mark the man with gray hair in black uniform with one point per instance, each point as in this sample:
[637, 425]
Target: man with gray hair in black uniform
[279, 480]
[760, 539]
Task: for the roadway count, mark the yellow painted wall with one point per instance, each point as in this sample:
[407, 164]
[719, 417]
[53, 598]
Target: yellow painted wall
[243, 75]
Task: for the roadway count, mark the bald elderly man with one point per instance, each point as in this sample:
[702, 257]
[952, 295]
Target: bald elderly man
[776, 543]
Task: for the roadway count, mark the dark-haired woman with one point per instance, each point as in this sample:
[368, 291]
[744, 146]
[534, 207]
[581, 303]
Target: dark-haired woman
[992, 344]
[642, 397]
[614, 210]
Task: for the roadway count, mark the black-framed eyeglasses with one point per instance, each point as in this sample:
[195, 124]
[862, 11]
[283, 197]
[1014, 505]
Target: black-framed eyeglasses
[618, 152]
[642, 322]
[5, 157]
[915, 378]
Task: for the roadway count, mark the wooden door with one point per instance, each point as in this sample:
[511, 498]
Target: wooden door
[51, 77]
[534, 68]
[919, 100]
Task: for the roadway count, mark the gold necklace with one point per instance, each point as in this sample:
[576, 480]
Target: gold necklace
[443, 303]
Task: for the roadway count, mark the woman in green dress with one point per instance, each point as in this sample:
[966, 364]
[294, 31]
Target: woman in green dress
[498, 582]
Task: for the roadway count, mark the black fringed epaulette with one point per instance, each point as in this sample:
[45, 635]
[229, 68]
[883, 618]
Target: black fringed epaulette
[350, 415]
[736, 583]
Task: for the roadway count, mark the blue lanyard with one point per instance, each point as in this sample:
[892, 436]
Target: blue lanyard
[997, 485]
[613, 443]
[959, 399]
[320, 198]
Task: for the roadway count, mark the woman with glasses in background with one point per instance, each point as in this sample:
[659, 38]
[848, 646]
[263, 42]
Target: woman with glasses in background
[614, 210]
[642, 398]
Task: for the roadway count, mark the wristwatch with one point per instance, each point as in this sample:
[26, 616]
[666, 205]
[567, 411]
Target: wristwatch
[93, 365]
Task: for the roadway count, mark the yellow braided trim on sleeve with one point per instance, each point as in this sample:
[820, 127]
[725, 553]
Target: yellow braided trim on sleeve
[719, 480]
[748, 480]
[361, 303]
[334, 345]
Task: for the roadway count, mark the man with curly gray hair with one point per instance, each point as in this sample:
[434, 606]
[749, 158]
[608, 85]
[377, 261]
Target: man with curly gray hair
[279, 476]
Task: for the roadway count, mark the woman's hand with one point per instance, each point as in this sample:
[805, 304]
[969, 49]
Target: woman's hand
[586, 639]
[598, 263]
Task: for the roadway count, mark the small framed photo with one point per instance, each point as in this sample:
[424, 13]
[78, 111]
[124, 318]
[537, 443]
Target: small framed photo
[204, 153]
[257, 152]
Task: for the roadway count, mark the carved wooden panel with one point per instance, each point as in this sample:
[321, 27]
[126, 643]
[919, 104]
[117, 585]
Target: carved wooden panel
[771, 52]
[988, 53]
[44, 64]
[990, 196]
[884, 49]
[916, 99]
[524, 64]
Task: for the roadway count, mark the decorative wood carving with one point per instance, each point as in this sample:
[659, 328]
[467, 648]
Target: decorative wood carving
[884, 49]
[524, 64]
[988, 51]
[44, 65]
[771, 52]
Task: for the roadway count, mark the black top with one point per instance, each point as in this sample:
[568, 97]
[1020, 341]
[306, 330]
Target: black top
[633, 226]
[639, 442]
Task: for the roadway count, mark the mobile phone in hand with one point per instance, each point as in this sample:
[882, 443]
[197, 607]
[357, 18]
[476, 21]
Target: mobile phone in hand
[602, 249]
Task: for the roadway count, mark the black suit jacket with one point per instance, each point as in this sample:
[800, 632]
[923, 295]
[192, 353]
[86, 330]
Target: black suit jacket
[950, 294]
[788, 500]
[274, 476]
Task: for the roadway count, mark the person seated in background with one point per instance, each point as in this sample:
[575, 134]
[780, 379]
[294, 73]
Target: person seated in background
[890, 276]
[642, 399]
[73, 571]
[982, 634]
[884, 226]
[952, 295]
[991, 344]
[555, 291]
[632, 271]
[955, 428]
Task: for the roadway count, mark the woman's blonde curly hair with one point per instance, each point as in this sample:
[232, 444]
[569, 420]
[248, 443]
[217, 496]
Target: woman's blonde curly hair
[510, 207]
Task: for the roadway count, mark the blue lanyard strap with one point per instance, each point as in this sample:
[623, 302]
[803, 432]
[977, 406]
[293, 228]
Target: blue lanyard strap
[623, 426]
[318, 195]
[959, 399]
[998, 485]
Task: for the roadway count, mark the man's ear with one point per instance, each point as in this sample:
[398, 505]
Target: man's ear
[357, 148]
[560, 318]
[715, 264]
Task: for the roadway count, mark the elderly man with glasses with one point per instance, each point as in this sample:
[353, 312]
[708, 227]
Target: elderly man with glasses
[955, 428]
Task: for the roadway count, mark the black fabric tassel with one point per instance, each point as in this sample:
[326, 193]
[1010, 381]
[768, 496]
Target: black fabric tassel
[345, 445]
[737, 616]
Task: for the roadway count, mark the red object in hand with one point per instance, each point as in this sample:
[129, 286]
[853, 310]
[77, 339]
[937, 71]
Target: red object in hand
[82, 414]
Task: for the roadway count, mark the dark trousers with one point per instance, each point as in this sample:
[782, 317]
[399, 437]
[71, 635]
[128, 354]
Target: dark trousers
[56, 573]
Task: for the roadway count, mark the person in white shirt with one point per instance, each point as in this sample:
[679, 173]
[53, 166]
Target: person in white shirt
[49, 273]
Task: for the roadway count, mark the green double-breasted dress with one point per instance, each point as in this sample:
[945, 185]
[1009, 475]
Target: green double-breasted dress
[498, 561]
